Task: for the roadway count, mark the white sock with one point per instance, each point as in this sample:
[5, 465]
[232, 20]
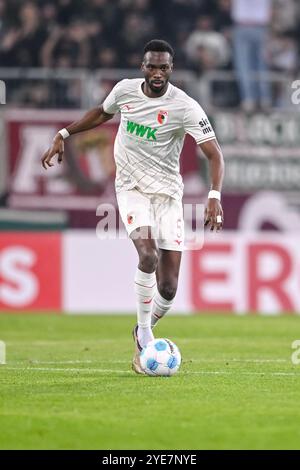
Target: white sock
[145, 288]
[160, 307]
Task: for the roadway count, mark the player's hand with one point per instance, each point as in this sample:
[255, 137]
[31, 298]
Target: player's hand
[213, 215]
[57, 147]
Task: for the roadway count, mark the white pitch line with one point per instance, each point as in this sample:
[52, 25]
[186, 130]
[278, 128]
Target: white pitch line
[220, 372]
[203, 361]
[259, 360]
[78, 343]
[225, 372]
[27, 363]
[61, 369]
[50, 362]
[254, 361]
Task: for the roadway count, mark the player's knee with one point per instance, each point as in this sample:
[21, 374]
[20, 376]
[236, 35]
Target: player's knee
[148, 260]
[168, 289]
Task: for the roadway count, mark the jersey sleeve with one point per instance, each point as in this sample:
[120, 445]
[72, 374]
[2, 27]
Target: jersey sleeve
[110, 104]
[196, 123]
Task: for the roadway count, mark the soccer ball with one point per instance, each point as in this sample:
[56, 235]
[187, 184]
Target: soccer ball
[160, 357]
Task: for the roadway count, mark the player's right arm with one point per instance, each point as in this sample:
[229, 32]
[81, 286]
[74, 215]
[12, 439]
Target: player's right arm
[91, 119]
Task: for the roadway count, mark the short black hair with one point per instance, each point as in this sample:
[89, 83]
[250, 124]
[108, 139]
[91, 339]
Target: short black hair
[159, 45]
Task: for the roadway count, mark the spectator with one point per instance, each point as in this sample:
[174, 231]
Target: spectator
[206, 48]
[136, 30]
[250, 33]
[105, 33]
[283, 53]
[2, 17]
[106, 58]
[282, 58]
[21, 46]
[222, 18]
[284, 16]
[70, 41]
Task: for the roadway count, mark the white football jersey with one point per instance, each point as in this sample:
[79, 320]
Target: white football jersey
[151, 135]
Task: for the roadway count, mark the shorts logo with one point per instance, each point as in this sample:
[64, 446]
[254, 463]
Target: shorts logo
[179, 232]
[130, 219]
[162, 117]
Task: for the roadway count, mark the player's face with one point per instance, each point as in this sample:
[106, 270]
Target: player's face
[157, 68]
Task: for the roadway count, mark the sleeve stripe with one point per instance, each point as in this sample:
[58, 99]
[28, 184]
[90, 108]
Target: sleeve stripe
[205, 140]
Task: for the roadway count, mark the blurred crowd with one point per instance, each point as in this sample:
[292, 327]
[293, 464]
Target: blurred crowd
[241, 35]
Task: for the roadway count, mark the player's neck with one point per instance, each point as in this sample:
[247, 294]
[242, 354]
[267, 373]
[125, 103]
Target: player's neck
[152, 94]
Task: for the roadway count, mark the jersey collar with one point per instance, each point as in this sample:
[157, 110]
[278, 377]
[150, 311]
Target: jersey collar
[147, 98]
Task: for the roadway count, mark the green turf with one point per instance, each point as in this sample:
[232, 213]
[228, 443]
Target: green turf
[68, 385]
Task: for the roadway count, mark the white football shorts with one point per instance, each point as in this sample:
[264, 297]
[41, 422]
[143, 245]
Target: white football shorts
[159, 211]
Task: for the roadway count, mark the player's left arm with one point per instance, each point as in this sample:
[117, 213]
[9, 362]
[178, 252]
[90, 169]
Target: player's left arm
[213, 209]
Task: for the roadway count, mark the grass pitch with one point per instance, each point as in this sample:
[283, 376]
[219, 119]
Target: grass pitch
[68, 384]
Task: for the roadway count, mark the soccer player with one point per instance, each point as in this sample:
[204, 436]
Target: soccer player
[155, 116]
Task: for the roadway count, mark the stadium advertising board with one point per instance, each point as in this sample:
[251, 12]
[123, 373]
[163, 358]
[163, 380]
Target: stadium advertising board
[246, 273]
[262, 151]
[75, 272]
[30, 271]
[262, 178]
[87, 173]
[104, 281]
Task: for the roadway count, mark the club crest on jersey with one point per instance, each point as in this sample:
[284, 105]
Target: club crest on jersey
[162, 117]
